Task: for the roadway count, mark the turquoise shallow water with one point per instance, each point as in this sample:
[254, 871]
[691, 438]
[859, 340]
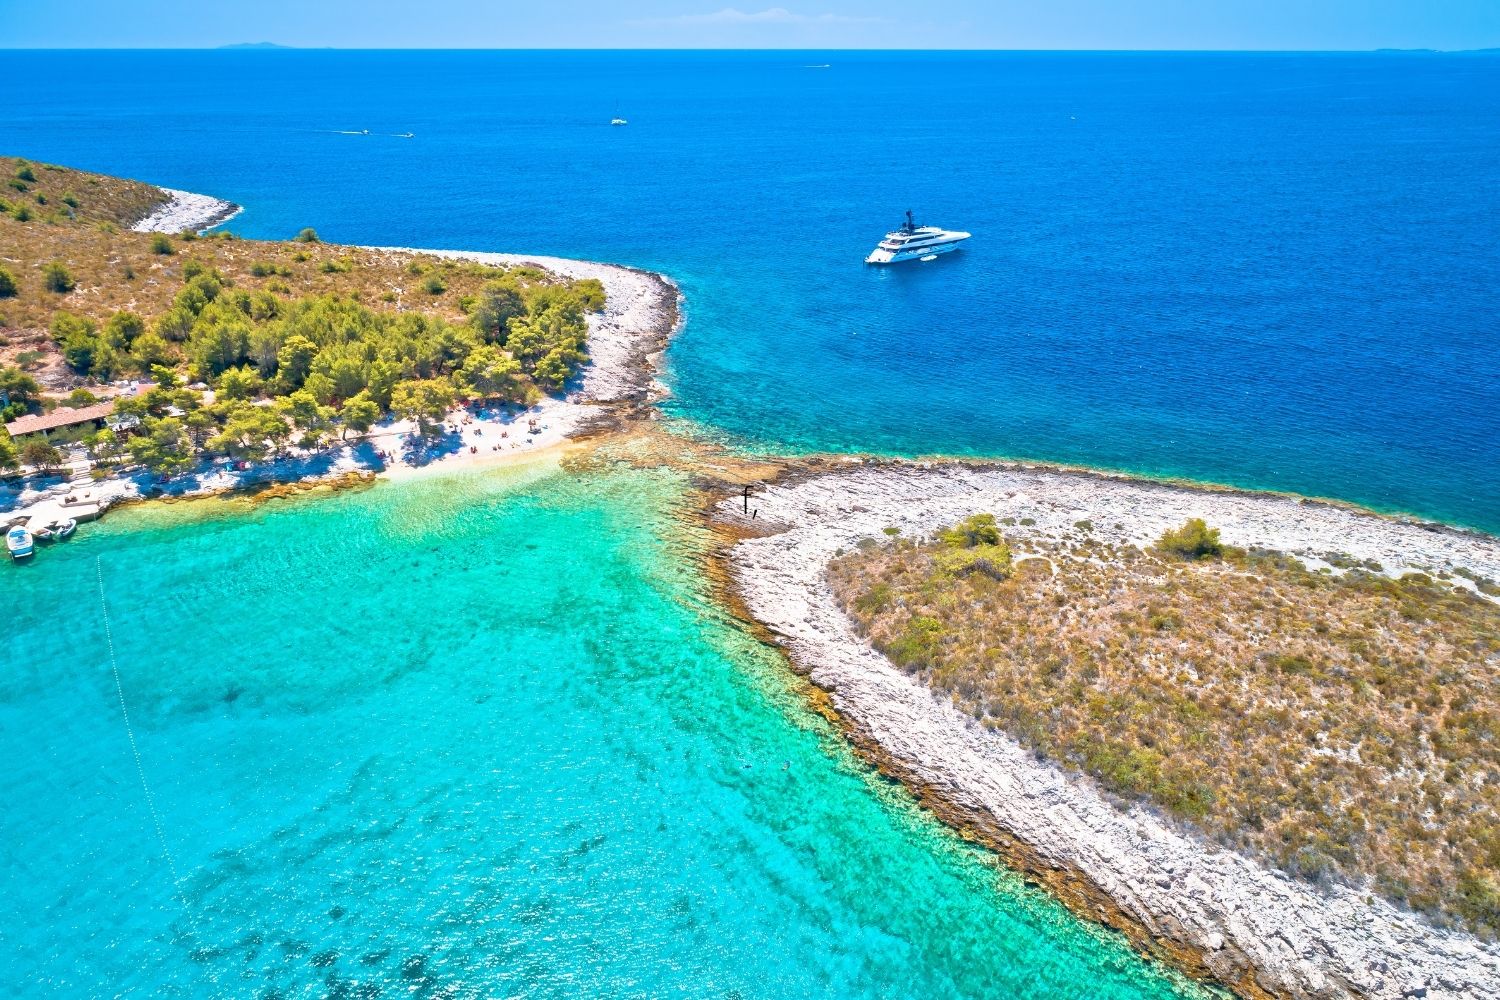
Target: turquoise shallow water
[463, 736]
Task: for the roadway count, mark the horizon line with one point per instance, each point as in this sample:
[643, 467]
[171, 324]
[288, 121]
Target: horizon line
[262, 48]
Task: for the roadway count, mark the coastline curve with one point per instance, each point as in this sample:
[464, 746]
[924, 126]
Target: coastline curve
[184, 210]
[1214, 912]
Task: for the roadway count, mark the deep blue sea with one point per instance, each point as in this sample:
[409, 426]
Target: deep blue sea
[1277, 271]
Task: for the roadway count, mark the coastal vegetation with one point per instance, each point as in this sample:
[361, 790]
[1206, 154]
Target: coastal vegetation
[254, 346]
[48, 194]
[1340, 725]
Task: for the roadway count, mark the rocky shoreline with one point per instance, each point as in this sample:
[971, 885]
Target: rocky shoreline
[1217, 914]
[184, 210]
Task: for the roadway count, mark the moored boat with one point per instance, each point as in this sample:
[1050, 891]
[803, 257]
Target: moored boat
[914, 242]
[18, 542]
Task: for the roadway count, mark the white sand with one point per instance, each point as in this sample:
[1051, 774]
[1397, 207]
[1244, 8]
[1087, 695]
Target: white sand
[1300, 942]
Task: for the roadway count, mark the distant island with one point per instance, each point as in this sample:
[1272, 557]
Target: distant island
[1437, 52]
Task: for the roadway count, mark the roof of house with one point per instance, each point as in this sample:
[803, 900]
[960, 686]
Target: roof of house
[63, 416]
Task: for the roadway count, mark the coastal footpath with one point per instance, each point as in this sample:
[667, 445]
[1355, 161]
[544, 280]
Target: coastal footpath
[1210, 910]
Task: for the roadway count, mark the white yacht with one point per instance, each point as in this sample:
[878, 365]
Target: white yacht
[618, 121]
[914, 242]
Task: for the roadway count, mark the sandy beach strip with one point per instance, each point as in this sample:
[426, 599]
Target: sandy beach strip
[626, 339]
[1214, 911]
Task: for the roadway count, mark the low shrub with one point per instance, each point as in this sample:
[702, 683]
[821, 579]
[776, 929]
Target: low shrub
[57, 278]
[1194, 540]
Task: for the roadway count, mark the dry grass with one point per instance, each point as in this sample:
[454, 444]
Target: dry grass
[119, 270]
[115, 269]
[1338, 727]
[98, 198]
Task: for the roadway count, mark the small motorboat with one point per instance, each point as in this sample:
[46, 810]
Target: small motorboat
[618, 121]
[63, 527]
[18, 542]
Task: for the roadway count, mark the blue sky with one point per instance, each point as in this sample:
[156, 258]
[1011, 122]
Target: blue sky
[1002, 24]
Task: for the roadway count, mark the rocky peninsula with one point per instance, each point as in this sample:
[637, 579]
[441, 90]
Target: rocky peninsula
[1219, 914]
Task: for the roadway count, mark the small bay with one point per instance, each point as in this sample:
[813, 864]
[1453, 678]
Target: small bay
[467, 735]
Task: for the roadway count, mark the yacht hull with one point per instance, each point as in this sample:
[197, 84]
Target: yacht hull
[901, 256]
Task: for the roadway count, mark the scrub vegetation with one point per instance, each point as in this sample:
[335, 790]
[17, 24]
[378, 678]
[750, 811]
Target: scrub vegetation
[46, 194]
[1338, 725]
[298, 341]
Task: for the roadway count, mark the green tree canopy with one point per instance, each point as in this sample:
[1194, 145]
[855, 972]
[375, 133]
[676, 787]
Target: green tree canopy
[84, 350]
[974, 545]
[17, 386]
[360, 413]
[150, 350]
[215, 347]
[966, 534]
[425, 401]
[103, 444]
[490, 373]
[164, 448]
[122, 329]
[249, 432]
[294, 360]
[499, 302]
[9, 455]
[243, 382]
[40, 454]
[304, 411]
